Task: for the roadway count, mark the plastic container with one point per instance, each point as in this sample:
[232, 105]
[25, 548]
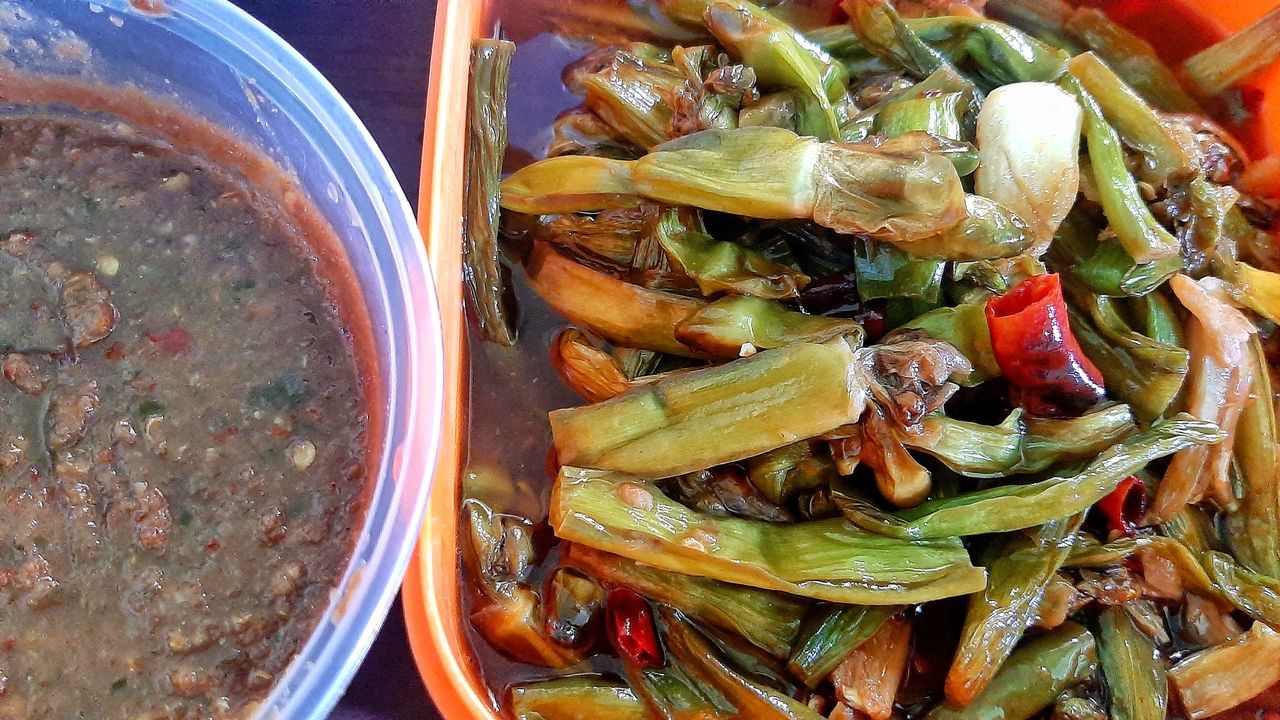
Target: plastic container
[217, 62]
[431, 591]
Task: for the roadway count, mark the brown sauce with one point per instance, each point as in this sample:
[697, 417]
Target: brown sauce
[186, 419]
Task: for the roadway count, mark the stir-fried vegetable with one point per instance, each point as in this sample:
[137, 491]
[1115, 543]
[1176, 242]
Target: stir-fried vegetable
[1255, 524]
[1006, 508]
[739, 325]
[1028, 152]
[576, 698]
[486, 145]
[852, 309]
[832, 636]
[507, 611]
[1033, 676]
[1224, 676]
[718, 266]
[824, 559]
[618, 311]
[1020, 570]
[1227, 63]
[1217, 390]
[1136, 229]
[750, 699]
[900, 190]
[868, 679]
[1132, 666]
[766, 619]
[713, 416]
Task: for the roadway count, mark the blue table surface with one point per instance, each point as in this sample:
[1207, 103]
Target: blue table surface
[377, 53]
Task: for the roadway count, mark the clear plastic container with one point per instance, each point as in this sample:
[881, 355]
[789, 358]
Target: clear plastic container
[219, 63]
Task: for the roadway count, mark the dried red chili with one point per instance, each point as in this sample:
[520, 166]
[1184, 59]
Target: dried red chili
[631, 628]
[1123, 506]
[1048, 373]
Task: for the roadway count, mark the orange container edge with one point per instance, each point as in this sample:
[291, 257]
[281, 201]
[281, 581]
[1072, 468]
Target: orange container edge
[431, 588]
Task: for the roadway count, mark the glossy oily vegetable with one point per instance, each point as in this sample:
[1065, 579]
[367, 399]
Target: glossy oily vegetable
[1039, 358]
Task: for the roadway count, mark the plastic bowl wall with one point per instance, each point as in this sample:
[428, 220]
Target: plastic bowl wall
[218, 63]
[431, 592]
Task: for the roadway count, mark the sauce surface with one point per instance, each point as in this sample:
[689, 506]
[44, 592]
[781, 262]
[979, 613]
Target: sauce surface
[182, 431]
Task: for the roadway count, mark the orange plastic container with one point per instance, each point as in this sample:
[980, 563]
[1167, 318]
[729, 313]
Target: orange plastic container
[431, 588]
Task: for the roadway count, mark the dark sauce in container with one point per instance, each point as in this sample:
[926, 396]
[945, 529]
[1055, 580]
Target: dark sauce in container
[185, 417]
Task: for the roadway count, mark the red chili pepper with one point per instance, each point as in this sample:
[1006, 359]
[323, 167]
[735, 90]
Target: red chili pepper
[1031, 337]
[631, 628]
[1124, 505]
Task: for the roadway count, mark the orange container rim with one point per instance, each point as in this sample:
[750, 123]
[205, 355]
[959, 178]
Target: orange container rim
[431, 588]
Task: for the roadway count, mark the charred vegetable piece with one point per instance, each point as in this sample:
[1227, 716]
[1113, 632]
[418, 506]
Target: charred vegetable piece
[1032, 678]
[1019, 570]
[718, 266]
[486, 146]
[718, 415]
[765, 619]
[1227, 63]
[709, 668]
[1224, 676]
[576, 698]
[739, 326]
[618, 311]
[1019, 445]
[899, 190]
[822, 559]
[835, 633]
[1036, 350]
[1133, 668]
[507, 612]
[1007, 508]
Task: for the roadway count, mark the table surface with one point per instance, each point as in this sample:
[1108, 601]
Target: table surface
[377, 53]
